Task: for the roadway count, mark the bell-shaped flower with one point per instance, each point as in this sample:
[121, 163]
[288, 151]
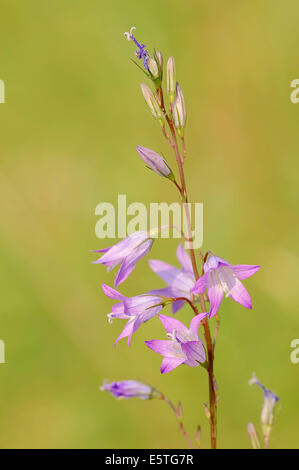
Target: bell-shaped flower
[128, 389]
[180, 281]
[223, 278]
[183, 345]
[127, 253]
[136, 310]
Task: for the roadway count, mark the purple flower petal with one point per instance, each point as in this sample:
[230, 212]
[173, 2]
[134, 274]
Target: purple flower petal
[102, 250]
[200, 285]
[141, 303]
[127, 331]
[164, 292]
[240, 294]
[112, 293]
[170, 363]
[130, 261]
[195, 352]
[166, 348]
[213, 262]
[177, 305]
[195, 323]
[184, 259]
[123, 248]
[215, 293]
[243, 271]
[142, 318]
[164, 270]
[170, 324]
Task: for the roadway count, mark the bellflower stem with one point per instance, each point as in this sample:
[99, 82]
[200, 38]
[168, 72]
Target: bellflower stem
[207, 333]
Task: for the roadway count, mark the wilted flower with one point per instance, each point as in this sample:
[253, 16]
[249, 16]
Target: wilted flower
[183, 346]
[179, 109]
[136, 310]
[141, 52]
[154, 161]
[128, 389]
[267, 415]
[151, 102]
[127, 253]
[222, 278]
[171, 79]
[180, 281]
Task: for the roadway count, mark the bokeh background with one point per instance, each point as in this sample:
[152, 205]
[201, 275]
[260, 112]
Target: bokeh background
[72, 118]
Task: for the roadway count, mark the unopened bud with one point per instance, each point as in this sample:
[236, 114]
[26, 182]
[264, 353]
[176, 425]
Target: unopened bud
[179, 110]
[253, 437]
[171, 79]
[160, 59]
[155, 162]
[267, 414]
[153, 67]
[128, 389]
[151, 102]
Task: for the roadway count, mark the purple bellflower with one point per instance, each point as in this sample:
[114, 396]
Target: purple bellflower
[136, 310]
[222, 278]
[183, 346]
[141, 52]
[128, 389]
[180, 281]
[127, 253]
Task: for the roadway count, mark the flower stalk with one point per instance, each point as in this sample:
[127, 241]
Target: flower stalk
[207, 333]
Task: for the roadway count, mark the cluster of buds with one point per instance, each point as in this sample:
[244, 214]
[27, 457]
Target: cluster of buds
[153, 68]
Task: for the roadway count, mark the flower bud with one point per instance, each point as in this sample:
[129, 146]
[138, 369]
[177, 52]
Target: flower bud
[155, 162]
[160, 59]
[128, 389]
[254, 440]
[153, 67]
[179, 110]
[151, 102]
[171, 79]
[267, 414]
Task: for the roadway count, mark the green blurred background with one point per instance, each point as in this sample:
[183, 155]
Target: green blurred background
[72, 118]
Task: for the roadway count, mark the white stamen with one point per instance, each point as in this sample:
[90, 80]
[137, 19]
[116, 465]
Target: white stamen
[172, 335]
